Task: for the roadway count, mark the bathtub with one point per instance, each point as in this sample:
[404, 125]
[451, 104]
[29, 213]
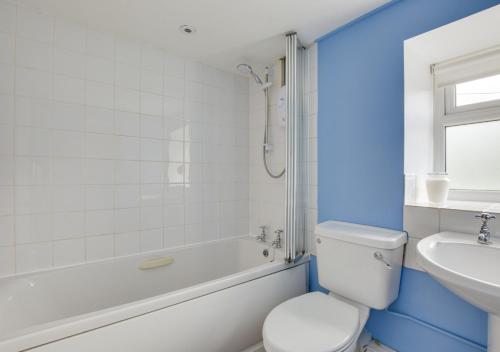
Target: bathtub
[208, 297]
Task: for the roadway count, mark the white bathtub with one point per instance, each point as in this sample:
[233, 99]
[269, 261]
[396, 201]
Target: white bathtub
[213, 297]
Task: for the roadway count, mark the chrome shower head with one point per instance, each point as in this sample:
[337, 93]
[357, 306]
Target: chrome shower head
[246, 69]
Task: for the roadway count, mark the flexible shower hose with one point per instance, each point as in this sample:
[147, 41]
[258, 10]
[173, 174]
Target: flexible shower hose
[264, 146]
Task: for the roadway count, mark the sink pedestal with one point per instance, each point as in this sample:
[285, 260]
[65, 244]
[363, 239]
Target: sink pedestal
[493, 333]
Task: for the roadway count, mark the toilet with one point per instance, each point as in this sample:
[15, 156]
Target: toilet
[361, 267]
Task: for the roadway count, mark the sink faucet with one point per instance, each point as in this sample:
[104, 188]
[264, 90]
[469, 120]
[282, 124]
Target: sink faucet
[484, 232]
[262, 236]
[277, 240]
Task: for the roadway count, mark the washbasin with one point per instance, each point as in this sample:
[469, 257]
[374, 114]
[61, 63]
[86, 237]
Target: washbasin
[469, 269]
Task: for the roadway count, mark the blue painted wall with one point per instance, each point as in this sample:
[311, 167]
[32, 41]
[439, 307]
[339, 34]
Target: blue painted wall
[360, 161]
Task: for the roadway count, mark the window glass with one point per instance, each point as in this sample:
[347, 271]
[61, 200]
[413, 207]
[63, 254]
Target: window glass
[473, 156]
[478, 91]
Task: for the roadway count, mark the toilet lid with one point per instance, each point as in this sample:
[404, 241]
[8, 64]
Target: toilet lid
[313, 322]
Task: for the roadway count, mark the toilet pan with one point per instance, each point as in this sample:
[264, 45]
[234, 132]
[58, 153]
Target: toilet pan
[314, 322]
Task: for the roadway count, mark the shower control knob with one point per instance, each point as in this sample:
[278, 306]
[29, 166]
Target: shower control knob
[318, 240]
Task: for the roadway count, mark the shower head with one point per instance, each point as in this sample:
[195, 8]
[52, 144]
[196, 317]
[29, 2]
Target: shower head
[246, 69]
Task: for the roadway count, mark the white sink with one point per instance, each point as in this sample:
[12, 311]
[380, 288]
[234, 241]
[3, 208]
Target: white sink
[469, 269]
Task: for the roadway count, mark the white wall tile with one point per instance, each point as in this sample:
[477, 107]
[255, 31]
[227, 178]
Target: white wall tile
[100, 70]
[151, 104]
[69, 252]
[421, 222]
[32, 83]
[151, 172]
[458, 221]
[127, 123]
[173, 87]
[99, 197]
[7, 234]
[32, 141]
[7, 83]
[6, 109]
[34, 25]
[7, 17]
[151, 239]
[99, 172]
[174, 66]
[128, 148]
[152, 59]
[7, 254]
[128, 172]
[127, 243]
[100, 247]
[99, 120]
[127, 196]
[152, 218]
[66, 116]
[100, 44]
[128, 76]
[33, 112]
[173, 215]
[97, 142]
[173, 236]
[127, 99]
[100, 146]
[35, 256]
[410, 259]
[7, 170]
[99, 222]
[33, 199]
[151, 82]
[68, 198]
[33, 54]
[32, 171]
[128, 52]
[99, 94]
[34, 228]
[69, 36]
[67, 144]
[6, 140]
[6, 200]
[69, 90]
[127, 220]
[69, 225]
[151, 149]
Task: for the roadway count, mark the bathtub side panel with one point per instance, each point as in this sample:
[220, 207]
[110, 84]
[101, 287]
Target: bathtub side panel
[229, 320]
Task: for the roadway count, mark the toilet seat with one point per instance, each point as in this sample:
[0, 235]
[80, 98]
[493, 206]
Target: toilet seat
[314, 322]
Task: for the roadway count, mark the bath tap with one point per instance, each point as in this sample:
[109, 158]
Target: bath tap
[262, 236]
[484, 232]
[277, 240]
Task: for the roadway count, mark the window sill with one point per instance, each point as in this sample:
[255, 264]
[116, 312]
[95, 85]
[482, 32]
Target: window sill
[487, 207]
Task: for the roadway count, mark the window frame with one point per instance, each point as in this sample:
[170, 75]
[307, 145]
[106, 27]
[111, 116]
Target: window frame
[447, 114]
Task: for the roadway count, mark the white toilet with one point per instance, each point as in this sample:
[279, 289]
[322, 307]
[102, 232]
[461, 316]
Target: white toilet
[361, 266]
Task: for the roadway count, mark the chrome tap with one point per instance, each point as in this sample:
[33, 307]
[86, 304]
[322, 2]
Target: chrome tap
[277, 240]
[262, 236]
[484, 232]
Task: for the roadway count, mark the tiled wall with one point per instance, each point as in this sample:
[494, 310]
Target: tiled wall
[267, 195]
[110, 147]
[421, 222]
[312, 143]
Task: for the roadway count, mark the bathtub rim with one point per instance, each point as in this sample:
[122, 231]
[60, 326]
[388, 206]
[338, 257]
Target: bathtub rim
[45, 333]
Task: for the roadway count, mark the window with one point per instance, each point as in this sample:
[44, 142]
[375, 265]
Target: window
[478, 91]
[467, 123]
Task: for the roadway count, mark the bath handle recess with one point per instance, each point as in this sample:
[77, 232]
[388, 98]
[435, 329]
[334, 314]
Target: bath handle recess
[156, 263]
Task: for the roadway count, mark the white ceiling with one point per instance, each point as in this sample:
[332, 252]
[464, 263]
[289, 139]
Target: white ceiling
[229, 31]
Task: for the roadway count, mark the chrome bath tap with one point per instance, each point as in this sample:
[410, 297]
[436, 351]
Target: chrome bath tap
[277, 240]
[484, 232]
[262, 236]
